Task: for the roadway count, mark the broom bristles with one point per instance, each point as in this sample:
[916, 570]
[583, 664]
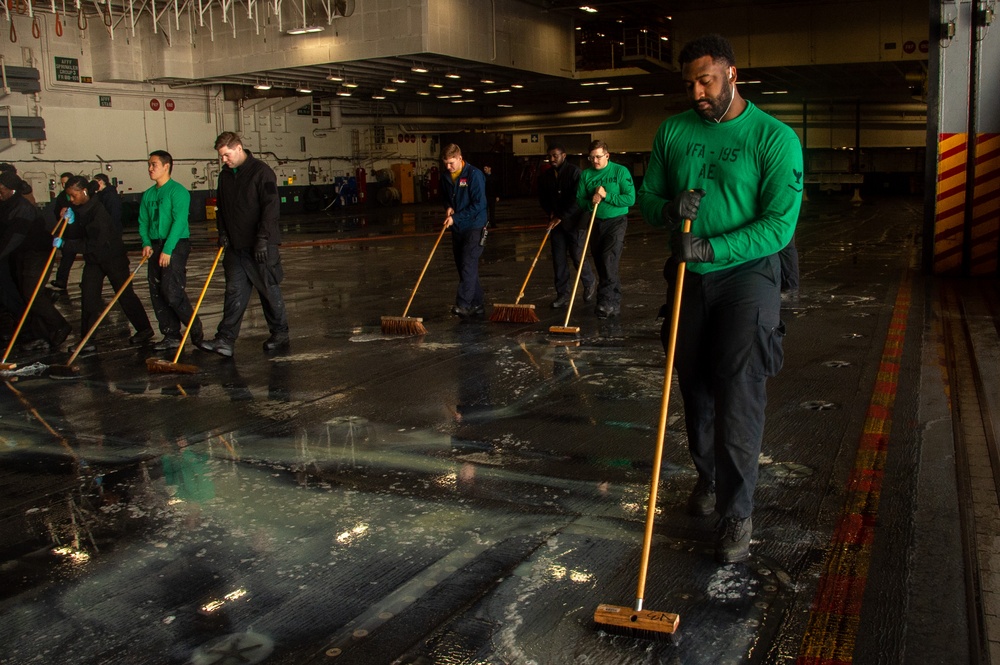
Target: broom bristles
[161, 366]
[403, 325]
[514, 314]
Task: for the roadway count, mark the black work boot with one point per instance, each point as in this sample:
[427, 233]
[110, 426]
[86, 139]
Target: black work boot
[701, 503]
[733, 542]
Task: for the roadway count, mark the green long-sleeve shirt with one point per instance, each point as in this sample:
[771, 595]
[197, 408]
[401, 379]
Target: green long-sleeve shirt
[751, 170]
[163, 215]
[617, 183]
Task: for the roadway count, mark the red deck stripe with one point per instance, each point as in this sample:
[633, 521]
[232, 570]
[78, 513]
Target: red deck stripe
[836, 608]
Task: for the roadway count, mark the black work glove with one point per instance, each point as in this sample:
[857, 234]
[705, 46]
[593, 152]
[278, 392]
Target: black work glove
[684, 206]
[260, 250]
[691, 249]
[223, 239]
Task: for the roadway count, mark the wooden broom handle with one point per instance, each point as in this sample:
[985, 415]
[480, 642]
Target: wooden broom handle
[121, 289]
[38, 286]
[197, 306]
[537, 254]
[427, 263]
[579, 268]
[661, 430]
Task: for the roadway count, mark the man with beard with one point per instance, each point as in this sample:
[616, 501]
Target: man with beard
[736, 173]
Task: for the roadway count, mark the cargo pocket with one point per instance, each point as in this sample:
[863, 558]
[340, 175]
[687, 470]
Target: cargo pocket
[767, 355]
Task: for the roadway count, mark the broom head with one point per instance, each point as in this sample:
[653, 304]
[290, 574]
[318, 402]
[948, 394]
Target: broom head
[64, 371]
[640, 621]
[565, 330]
[161, 366]
[403, 325]
[513, 314]
[6, 367]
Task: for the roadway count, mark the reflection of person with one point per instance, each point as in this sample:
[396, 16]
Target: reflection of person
[165, 235]
[104, 254]
[557, 195]
[737, 174]
[247, 220]
[464, 194]
[188, 472]
[609, 185]
[25, 246]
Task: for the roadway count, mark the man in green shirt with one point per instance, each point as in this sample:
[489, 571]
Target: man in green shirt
[165, 235]
[609, 187]
[736, 172]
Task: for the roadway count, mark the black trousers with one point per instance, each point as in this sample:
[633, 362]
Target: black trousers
[729, 342]
[244, 276]
[167, 290]
[44, 320]
[466, 250]
[92, 284]
[606, 243]
[789, 257]
[568, 244]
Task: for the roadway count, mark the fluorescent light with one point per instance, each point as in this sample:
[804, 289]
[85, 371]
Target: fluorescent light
[390, 88]
[452, 75]
[418, 69]
[350, 84]
[304, 29]
[467, 90]
[423, 93]
[334, 77]
[343, 92]
[516, 85]
[435, 85]
[378, 96]
[398, 79]
[262, 86]
[589, 10]
[303, 89]
[487, 81]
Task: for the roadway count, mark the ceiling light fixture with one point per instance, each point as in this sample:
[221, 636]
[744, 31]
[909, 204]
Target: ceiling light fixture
[350, 84]
[334, 77]
[516, 85]
[398, 79]
[423, 93]
[304, 89]
[390, 88]
[304, 29]
[376, 96]
[452, 75]
[435, 85]
[262, 86]
[418, 69]
[487, 81]
[589, 10]
[343, 92]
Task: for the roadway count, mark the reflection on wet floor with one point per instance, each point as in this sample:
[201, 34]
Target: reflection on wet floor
[469, 496]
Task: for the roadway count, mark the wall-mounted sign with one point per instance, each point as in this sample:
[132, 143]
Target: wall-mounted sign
[67, 69]
[154, 104]
[86, 79]
[104, 100]
[169, 105]
[534, 138]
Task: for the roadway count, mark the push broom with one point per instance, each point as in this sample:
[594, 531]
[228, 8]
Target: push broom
[160, 366]
[516, 313]
[4, 365]
[69, 371]
[409, 325]
[635, 617]
[566, 328]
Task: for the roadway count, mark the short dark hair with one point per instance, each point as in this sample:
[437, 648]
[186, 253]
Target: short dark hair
[228, 140]
[67, 174]
[557, 147]
[103, 178]
[598, 144]
[450, 150]
[714, 45]
[165, 158]
[7, 166]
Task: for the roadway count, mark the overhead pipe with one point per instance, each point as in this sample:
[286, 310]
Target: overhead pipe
[519, 122]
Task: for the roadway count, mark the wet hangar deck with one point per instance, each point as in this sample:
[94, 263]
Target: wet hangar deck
[470, 496]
